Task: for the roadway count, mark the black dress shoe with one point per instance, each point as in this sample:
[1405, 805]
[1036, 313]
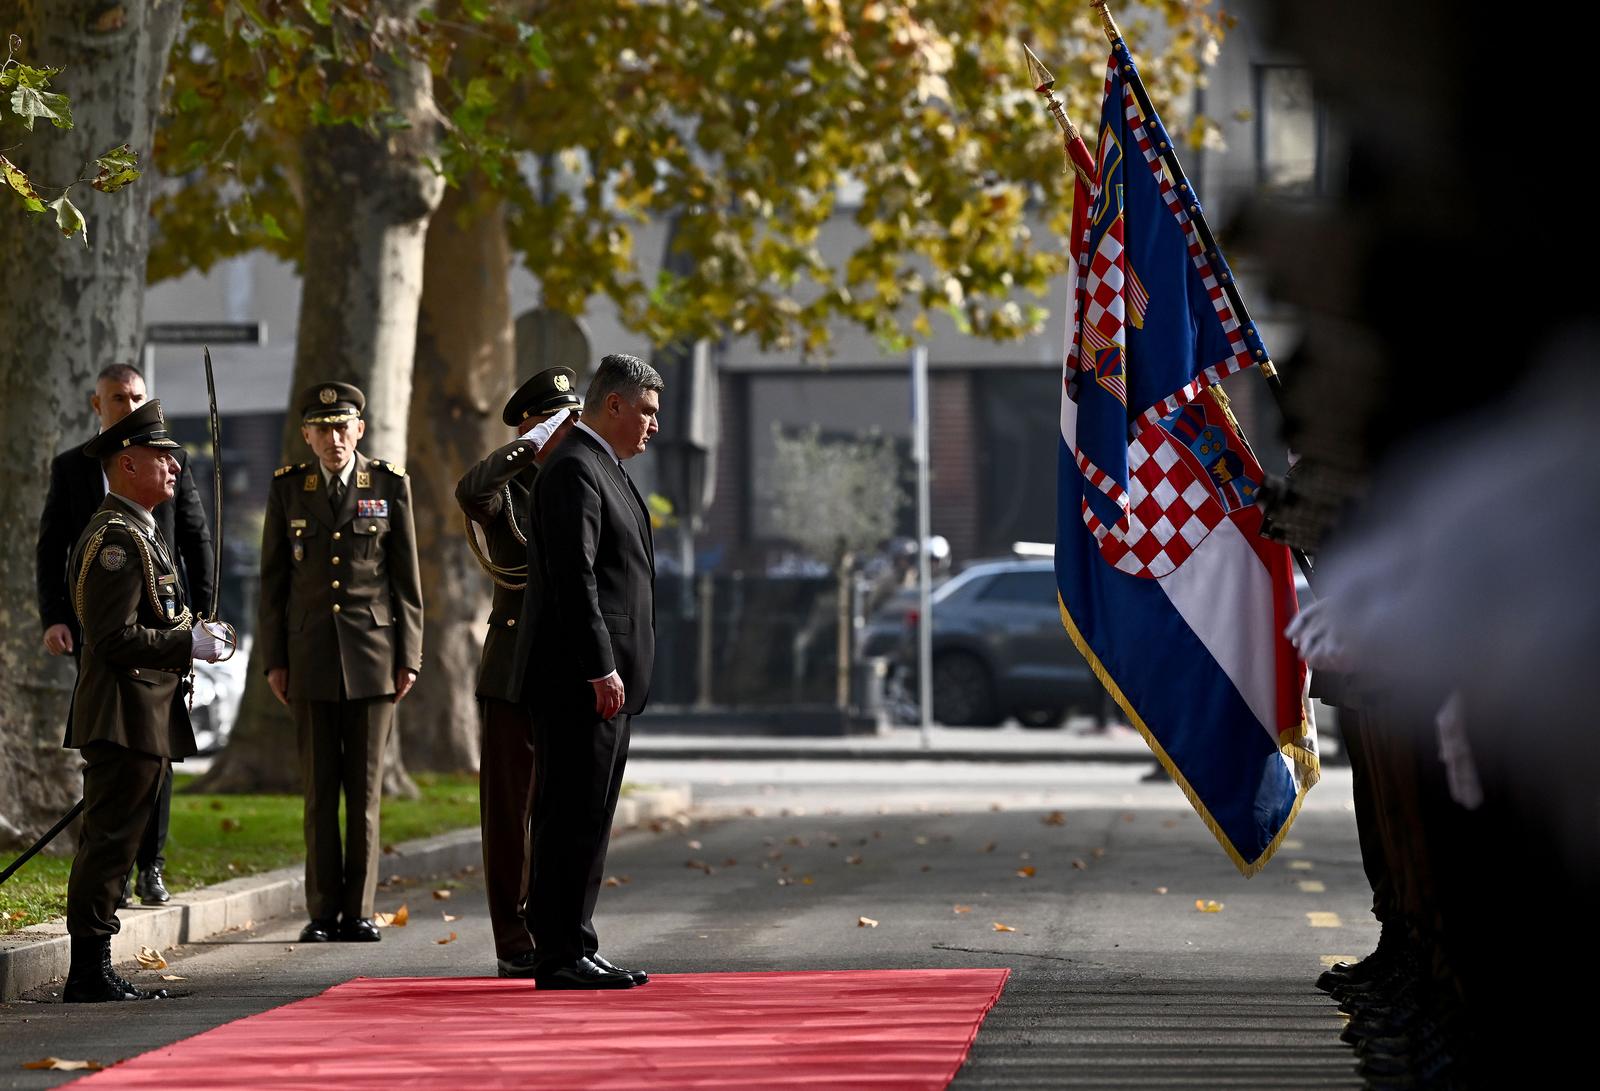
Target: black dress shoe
[582, 974]
[152, 891]
[360, 930]
[127, 892]
[639, 976]
[319, 931]
[521, 965]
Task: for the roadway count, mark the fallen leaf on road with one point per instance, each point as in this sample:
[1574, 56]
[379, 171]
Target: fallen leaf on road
[1128, 817]
[1079, 865]
[173, 977]
[451, 938]
[151, 959]
[853, 859]
[730, 862]
[397, 919]
[695, 845]
[1097, 853]
[448, 917]
[991, 846]
[441, 895]
[784, 880]
[1161, 890]
[963, 909]
[996, 807]
[1170, 824]
[866, 922]
[56, 1064]
[1054, 818]
[699, 864]
[798, 842]
[1206, 905]
[998, 927]
[1027, 872]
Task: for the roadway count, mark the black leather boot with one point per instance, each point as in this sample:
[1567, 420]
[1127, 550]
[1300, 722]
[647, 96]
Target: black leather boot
[91, 980]
[151, 890]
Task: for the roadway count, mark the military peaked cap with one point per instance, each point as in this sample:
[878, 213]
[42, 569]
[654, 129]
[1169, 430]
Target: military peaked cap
[551, 390]
[144, 427]
[331, 403]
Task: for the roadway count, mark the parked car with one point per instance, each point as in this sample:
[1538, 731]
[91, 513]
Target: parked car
[999, 649]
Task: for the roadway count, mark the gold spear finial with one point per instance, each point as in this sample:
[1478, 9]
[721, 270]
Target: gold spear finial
[1113, 32]
[1044, 83]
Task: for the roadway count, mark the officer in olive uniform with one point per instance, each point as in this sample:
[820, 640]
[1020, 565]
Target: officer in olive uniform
[495, 495]
[129, 716]
[341, 624]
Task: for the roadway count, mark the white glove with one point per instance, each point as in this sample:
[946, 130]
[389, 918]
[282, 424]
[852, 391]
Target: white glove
[210, 641]
[541, 433]
[1313, 635]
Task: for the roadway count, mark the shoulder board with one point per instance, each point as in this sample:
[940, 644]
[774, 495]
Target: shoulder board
[398, 471]
[281, 470]
[116, 521]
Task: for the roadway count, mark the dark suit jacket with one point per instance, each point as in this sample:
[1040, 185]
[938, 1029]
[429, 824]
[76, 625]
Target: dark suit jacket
[136, 644]
[496, 494]
[592, 603]
[77, 488]
[341, 593]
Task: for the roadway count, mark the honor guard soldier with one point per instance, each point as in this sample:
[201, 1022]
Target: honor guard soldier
[494, 494]
[129, 716]
[341, 625]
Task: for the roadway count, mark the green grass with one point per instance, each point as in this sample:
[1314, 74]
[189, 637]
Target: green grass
[214, 838]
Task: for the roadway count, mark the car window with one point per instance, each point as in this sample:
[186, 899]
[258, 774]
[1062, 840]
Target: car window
[1037, 587]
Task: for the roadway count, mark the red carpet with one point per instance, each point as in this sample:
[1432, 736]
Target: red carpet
[900, 1029]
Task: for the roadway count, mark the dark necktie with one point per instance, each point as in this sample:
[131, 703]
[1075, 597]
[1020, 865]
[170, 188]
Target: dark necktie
[335, 492]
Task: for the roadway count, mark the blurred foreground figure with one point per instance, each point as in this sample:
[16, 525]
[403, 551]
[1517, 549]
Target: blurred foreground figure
[1448, 490]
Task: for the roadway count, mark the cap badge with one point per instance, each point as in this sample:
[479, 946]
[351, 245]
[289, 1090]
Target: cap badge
[328, 395]
[562, 383]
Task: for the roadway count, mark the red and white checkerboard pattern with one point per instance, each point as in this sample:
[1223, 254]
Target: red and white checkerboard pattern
[1168, 508]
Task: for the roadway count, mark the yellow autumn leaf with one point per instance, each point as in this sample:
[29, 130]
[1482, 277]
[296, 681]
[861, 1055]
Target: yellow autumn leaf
[1206, 905]
[866, 922]
[441, 895]
[57, 1064]
[150, 959]
[451, 938]
[1054, 818]
[173, 977]
[998, 927]
[397, 919]
[1027, 872]
[448, 917]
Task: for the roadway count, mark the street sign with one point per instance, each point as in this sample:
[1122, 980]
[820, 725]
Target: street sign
[206, 333]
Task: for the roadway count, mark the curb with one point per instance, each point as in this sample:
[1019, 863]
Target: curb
[640, 750]
[40, 953]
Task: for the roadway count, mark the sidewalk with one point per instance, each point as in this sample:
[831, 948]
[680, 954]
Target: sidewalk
[1003, 744]
[39, 954]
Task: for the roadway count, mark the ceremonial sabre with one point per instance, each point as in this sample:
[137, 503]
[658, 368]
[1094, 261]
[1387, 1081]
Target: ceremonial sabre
[209, 617]
[66, 819]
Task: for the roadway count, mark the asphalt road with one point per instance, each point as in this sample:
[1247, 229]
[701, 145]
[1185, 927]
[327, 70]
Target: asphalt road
[1118, 981]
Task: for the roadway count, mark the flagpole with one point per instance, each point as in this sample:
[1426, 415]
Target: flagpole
[1169, 156]
[1044, 83]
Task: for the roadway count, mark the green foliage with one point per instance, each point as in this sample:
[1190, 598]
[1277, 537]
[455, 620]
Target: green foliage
[30, 99]
[747, 123]
[835, 496]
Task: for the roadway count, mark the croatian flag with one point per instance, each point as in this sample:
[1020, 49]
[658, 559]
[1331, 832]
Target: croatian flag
[1167, 587]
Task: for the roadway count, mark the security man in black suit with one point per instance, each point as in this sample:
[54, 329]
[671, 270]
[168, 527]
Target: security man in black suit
[129, 715]
[77, 487]
[591, 595]
[495, 495]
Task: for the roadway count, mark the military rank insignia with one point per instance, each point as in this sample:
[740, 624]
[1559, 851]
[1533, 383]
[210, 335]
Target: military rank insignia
[363, 479]
[299, 551]
[113, 558]
[311, 482]
[372, 509]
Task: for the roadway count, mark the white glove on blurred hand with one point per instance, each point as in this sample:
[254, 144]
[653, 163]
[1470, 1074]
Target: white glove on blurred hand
[541, 433]
[208, 641]
[1313, 635]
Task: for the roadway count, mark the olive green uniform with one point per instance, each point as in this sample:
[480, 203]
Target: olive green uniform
[495, 494]
[341, 609]
[129, 714]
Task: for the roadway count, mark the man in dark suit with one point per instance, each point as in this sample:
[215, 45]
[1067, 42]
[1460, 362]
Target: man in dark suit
[129, 716]
[77, 487]
[340, 626]
[591, 596]
[495, 494]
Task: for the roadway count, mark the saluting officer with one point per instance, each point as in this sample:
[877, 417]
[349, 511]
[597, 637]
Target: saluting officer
[341, 622]
[495, 494]
[129, 717]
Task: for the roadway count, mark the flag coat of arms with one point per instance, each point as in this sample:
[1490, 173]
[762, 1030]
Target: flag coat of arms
[1166, 586]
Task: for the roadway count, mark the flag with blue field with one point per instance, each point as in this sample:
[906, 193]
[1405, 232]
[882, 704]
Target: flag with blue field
[1167, 587]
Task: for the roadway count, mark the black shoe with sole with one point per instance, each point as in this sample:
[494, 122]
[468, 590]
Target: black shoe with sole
[639, 976]
[150, 888]
[319, 931]
[582, 974]
[359, 930]
[521, 965]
